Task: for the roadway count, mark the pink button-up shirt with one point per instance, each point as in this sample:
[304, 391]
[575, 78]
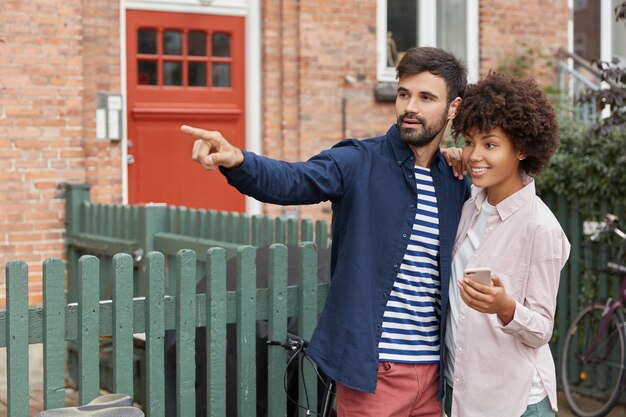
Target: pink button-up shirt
[494, 364]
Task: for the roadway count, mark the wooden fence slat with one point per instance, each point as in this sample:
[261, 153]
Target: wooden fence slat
[307, 319]
[17, 338]
[321, 234]
[575, 254]
[244, 229]
[53, 282]
[280, 230]
[306, 231]
[563, 311]
[216, 333]
[246, 331]
[123, 324]
[155, 333]
[186, 334]
[292, 232]
[277, 329]
[89, 328]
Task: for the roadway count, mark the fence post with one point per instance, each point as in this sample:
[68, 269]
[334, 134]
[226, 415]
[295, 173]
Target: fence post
[89, 329]
[185, 333]
[54, 333]
[123, 324]
[246, 331]
[277, 329]
[17, 338]
[75, 196]
[155, 333]
[152, 219]
[307, 318]
[216, 332]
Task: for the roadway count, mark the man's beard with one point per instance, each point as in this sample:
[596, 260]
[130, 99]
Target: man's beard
[426, 135]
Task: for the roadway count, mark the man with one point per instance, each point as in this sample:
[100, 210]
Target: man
[396, 207]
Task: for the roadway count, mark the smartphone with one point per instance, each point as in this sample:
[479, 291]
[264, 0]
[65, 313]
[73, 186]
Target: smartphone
[481, 275]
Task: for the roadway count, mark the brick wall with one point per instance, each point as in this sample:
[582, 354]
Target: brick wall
[50, 70]
[309, 48]
[508, 29]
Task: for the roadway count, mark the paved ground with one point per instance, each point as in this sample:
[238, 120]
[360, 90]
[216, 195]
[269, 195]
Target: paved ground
[36, 384]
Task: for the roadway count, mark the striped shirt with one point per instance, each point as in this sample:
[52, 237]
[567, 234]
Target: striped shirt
[410, 329]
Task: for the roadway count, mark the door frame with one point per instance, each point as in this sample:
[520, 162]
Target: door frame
[251, 10]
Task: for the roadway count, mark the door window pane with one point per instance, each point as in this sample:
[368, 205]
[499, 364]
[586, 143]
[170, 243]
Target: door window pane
[402, 18]
[196, 44]
[147, 72]
[197, 74]
[172, 42]
[172, 73]
[146, 41]
[221, 44]
[221, 74]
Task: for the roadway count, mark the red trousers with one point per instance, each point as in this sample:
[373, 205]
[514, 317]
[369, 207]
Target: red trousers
[402, 390]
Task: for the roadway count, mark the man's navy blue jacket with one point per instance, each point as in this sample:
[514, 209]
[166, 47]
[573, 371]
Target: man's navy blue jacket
[371, 186]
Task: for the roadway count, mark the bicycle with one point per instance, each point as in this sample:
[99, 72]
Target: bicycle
[594, 352]
[298, 346]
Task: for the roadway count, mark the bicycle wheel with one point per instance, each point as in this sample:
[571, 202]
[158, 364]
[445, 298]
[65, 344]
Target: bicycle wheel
[592, 366]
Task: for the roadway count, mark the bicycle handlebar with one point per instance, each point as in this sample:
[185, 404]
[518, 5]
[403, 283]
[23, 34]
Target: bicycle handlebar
[608, 225]
[293, 342]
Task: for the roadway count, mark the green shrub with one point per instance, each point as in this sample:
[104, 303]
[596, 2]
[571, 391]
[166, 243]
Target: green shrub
[587, 166]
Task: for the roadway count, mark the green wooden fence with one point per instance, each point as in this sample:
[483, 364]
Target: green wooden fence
[91, 319]
[146, 265]
[103, 230]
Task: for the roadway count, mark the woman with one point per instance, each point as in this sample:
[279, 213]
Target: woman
[498, 362]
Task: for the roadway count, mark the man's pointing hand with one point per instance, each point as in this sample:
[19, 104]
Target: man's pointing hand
[212, 150]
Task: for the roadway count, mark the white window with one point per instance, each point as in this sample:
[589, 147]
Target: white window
[448, 24]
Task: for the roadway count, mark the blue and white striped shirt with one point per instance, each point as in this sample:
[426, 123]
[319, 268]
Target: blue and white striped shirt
[411, 319]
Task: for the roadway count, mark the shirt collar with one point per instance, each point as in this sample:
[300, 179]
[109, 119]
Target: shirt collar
[512, 203]
[402, 152]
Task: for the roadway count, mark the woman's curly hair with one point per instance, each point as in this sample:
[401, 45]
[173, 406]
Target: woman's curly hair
[517, 106]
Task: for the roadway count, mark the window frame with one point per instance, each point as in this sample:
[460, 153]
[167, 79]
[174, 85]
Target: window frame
[427, 37]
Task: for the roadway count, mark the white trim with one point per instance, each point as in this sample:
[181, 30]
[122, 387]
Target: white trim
[427, 23]
[384, 73]
[123, 86]
[220, 7]
[606, 30]
[253, 90]
[251, 10]
[473, 41]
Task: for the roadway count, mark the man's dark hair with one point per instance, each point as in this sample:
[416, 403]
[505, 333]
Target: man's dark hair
[517, 106]
[438, 62]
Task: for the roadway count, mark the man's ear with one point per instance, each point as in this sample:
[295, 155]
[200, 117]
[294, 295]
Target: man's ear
[454, 108]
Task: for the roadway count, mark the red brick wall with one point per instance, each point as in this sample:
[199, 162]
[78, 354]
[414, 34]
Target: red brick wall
[309, 47]
[52, 64]
[508, 29]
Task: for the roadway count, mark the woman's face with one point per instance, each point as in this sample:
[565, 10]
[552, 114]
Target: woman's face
[494, 163]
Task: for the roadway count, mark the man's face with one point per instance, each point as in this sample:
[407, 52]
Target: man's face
[422, 109]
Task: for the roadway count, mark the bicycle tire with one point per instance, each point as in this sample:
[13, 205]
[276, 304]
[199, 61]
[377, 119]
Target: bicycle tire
[593, 383]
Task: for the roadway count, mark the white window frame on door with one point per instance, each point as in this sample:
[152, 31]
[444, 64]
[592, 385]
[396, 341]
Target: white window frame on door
[427, 36]
[251, 10]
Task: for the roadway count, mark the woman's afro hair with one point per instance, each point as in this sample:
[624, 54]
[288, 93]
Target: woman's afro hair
[517, 106]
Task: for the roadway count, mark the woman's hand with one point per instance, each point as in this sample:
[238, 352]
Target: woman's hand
[490, 299]
[453, 157]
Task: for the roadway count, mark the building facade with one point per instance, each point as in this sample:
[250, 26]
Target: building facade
[93, 91]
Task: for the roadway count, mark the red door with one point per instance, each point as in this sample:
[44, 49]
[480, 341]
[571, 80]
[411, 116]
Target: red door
[182, 69]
